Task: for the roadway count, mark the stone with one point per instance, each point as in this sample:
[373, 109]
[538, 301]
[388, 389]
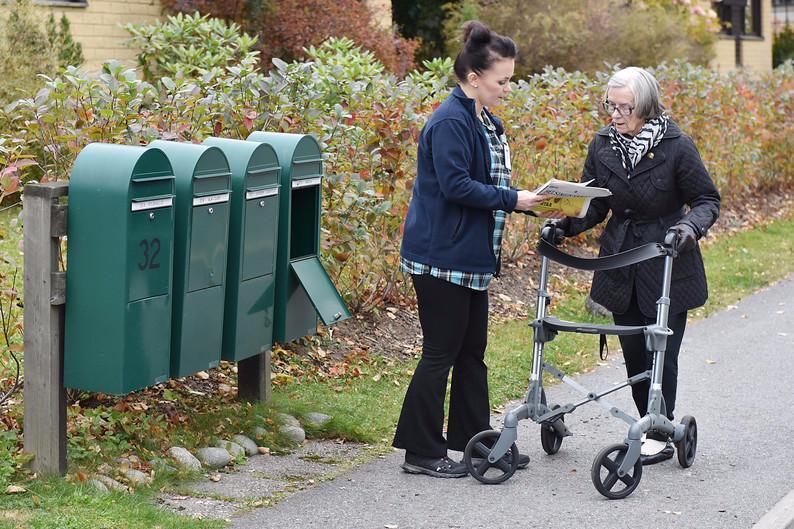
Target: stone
[294, 434]
[316, 419]
[136, 477]
[98, 486]
[233, 448]
[214, 457]
[248, 444]
[184, 458]
[111, 483]
[260, 432]
[287, 420]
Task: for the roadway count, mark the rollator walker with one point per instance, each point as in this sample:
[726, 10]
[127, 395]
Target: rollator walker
[492, 456]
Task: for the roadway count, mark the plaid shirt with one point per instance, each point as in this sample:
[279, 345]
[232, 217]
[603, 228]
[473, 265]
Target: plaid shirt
[500, 175]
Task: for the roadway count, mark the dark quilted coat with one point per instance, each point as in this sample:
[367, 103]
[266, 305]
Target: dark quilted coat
[670, 185]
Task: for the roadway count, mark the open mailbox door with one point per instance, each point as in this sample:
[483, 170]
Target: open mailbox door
[320, 289]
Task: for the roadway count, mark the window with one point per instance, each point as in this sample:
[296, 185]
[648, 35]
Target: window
[749, 15]
[63, 3]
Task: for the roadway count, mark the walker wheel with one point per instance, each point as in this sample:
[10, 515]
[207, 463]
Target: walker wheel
[476, 458]
[605, 472]
[549, 439]
[687, 447]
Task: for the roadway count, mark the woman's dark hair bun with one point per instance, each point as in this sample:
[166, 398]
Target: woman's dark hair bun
[481, 47]
[476, 33]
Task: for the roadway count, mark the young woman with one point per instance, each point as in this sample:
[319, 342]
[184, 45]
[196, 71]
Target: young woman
[451, 248]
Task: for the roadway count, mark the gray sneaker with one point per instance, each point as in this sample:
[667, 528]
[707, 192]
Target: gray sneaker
[442, 467]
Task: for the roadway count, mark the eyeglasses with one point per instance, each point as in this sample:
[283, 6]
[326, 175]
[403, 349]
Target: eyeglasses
[623, 110]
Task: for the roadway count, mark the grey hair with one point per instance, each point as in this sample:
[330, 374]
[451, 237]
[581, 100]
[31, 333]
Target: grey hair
[644, 87]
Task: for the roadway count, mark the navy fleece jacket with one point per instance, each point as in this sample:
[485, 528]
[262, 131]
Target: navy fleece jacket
[450, 221]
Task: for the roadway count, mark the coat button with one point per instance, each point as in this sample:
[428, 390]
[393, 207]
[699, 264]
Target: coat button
[628, 212]
[650, 155]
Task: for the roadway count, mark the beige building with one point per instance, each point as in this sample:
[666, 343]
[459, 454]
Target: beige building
[96, 24]
[755, 51]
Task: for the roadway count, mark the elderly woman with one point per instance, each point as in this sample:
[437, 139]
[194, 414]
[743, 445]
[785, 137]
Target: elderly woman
[658, 181]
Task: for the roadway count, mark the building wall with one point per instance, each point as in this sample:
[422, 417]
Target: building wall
[382, 11]
[782, 14]
[97, 26]
[756, 53]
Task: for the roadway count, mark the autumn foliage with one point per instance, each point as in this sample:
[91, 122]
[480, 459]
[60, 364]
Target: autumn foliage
[286, 27]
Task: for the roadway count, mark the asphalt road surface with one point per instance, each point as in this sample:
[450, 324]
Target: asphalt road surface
[736, 378]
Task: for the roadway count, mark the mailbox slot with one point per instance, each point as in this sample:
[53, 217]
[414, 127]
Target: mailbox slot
[304, 224]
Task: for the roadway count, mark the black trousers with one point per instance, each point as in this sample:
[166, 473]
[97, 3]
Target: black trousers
[639, 359]
[454, 322]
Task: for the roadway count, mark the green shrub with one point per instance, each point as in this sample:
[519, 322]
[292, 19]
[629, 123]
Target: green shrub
[368, 124]
[563, 34]
[285, 28]
[28, 49]
[191, 44]
[783, 47]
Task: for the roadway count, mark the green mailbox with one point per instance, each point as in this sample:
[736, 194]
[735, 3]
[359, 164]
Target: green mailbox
[120, 250]
[303, 288]
[201, 231]
[253, 229]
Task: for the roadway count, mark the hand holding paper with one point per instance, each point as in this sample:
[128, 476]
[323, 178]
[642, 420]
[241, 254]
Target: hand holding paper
[569, 198]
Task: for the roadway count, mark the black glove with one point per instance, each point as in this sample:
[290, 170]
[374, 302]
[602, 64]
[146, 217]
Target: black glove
[558, 227]
[687, 239]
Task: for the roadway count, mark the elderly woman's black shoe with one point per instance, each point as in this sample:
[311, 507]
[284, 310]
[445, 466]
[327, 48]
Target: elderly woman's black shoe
[663, 455]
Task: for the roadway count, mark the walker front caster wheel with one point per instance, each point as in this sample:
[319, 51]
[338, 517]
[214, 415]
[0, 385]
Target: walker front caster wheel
[605, 472]
[550, 440]
[476, 458]
[687, 447]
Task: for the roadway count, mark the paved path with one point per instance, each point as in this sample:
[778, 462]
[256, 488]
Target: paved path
[737, 379]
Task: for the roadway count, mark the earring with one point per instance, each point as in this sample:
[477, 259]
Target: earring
[474, 85]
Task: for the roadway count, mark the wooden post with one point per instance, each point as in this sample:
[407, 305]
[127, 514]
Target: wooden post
[253, 378]
[45, 399]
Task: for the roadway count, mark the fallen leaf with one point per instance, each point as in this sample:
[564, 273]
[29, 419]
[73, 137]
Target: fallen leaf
[215, 477]
[264, 450]
[15, 489]
[376, 377]
[711, 361]
[391, 526]
[203, 375]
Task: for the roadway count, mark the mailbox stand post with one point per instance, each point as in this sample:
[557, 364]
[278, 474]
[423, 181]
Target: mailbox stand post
[45, 398]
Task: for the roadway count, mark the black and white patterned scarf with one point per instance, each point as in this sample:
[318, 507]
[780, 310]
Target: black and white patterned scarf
[630, 149]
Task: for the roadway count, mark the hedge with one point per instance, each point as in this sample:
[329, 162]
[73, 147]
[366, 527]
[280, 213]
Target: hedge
[368, 123]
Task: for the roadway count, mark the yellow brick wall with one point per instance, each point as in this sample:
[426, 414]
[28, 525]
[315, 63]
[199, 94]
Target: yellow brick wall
[381, 9]
[97, 26]
[756, 54]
